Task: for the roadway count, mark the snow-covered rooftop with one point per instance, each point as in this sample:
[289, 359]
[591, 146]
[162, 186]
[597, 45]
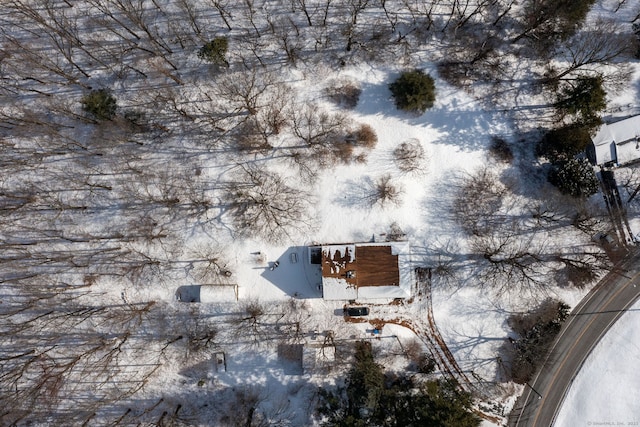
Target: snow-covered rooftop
[618, 142]
[618, 132]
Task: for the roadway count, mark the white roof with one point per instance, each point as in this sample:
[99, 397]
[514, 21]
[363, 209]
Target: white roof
[618, 132]
[218, 293]
[382, 292]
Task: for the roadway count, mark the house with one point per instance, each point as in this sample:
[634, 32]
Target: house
[364, 271]
[616, 143]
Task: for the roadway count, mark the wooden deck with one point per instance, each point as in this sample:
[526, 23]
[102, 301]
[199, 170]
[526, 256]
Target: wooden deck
[371, 265]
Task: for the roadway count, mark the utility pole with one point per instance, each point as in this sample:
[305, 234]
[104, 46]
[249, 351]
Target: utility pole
[534, 390]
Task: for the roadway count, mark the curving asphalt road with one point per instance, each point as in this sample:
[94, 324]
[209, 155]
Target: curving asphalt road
[588, 322]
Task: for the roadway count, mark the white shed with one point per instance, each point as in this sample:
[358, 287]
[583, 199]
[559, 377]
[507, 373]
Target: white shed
[208, 293]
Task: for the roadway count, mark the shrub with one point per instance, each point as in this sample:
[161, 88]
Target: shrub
[500, 149]
[409, 155]
[575, 178]
[414, 91]
[215, 51]
[346, 94]
[419, 360]
[100, 103]
[579, 275]
[365, 136]
[341, 151]
[386, 192]
[456, 73]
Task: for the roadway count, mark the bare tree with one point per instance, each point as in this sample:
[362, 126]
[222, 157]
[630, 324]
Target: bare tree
[295, 320]
[510, 261]
[200, 336]
[590, 50]
[323, 133]
[65, 348]
[264, 204]
[385, 192]
[288, 36]
[258, 94]
[351, 30]
[192, 13]
[250, 323]
[630, 183]
[222, 6]
[251, 407]
[305, 7]
[478, 199]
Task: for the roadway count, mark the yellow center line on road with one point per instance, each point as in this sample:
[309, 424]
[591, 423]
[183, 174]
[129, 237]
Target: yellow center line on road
[567, 353]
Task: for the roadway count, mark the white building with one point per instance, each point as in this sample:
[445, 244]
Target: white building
[364, 271]
[616, 143]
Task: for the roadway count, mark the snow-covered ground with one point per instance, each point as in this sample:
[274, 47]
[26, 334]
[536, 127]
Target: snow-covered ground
[605, 392]
[454, 136]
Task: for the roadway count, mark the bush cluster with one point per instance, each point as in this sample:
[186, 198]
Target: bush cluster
[563, 143]
[572, 176]
[346, 94]
[535, 332]
[583, 100]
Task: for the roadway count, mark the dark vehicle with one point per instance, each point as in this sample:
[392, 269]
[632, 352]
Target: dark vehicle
[357, 311]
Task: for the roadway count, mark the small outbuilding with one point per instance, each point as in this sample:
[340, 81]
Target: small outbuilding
[208, 293]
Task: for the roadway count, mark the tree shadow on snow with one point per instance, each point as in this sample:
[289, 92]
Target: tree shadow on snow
[357, 194]
[455, 121]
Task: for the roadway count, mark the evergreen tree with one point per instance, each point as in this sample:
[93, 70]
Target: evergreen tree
[434, 403]
[100, 103]
[564, 143]
[371, 398]
[575, 178]
[414, 91]
[215, 51]
[366, 382]
[584, 99]
[536, 331]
